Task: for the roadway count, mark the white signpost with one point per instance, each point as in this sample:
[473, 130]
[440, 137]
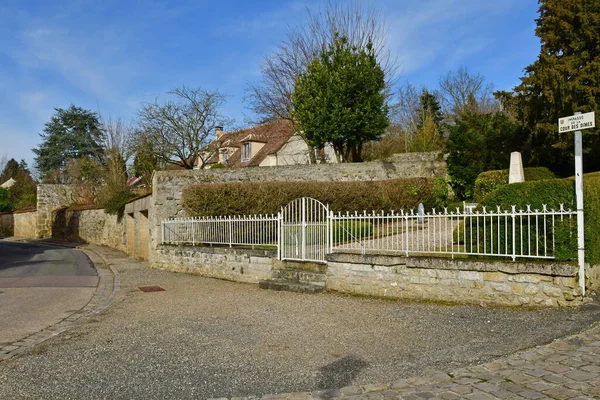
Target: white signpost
[576, 123]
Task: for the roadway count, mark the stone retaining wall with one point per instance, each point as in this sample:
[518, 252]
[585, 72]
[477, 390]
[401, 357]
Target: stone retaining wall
[527, 284]
[89, 226]
[6, 224]
[240, 265]
[25, 224]
[534, 284]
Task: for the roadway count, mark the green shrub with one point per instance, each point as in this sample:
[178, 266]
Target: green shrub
[116, 204]
[6, 204]
[217, 166]
[553, 193]
[489, 181]
[440, 192]
[245, 198]
[350, 230]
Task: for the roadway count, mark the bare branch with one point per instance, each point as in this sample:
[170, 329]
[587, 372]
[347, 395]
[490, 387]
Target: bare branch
[460, 91]
[181, 129]
[270, 98]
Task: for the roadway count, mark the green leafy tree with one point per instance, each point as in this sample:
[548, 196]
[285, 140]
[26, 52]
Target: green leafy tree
[429, 108]
[428, 136]
[23, 193]
[6, 204]
[564, 79]
[340, 99]
[69, 135]
[478, 143]
[145, 162]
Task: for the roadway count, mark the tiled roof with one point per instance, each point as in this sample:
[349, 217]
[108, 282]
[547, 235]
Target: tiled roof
[273, 135]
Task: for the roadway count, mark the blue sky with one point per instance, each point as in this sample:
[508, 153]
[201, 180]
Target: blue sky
[109, 56]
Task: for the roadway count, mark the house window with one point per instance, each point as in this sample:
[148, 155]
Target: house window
[224, 157]
[246, 152]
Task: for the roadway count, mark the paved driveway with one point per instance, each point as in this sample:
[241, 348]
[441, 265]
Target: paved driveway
[203, 338]
[40, 286]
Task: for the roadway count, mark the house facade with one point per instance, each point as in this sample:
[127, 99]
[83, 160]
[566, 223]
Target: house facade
[266, 145]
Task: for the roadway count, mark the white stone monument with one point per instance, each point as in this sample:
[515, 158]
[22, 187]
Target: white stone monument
[516, 168]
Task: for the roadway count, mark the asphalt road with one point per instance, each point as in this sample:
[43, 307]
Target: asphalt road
[40, 286]
[203, 338]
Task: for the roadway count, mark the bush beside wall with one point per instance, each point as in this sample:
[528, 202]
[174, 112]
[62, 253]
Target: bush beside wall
[244, 198]
[489, 181]
[553, 193]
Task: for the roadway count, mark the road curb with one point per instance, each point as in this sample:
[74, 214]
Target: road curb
[106, 291]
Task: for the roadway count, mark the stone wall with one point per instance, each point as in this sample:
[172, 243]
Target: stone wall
[250, 266]
[50, 198]
[128, 233]
[89, 226]
[534, 284]
[25, 224]
[6, 224]
[168, 185]
[505, 283]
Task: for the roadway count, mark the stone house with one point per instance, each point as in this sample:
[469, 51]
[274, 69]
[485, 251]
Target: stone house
[272, 144]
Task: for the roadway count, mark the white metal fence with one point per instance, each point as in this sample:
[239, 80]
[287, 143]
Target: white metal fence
[500, 233]
[254, 230]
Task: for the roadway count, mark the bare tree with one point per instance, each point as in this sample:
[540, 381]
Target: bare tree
[404, 113]
[3, 161]
[461, 91]
[271, 97]
[119, 137]
[181, 129]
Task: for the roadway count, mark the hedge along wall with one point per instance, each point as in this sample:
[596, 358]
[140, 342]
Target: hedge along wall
[553, 193]
[243, 198]
[489, 181]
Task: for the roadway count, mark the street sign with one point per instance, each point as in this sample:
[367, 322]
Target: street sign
[576, 122]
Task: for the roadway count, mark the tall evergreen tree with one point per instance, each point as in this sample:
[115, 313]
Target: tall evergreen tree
[429, 107]
[564, 79]
[70, 134]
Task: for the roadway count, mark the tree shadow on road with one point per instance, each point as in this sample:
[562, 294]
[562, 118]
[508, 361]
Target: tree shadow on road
[339, 373]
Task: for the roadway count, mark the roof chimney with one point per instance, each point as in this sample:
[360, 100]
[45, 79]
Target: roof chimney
[218, 132]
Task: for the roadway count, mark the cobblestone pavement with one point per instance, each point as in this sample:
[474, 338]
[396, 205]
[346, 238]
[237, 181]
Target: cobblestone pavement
[565, 369]
[108, 287]
[205, 338]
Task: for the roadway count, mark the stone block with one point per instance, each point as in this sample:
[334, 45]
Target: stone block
[552, 291]
[532, 290]
[525, 278]
[494, 276]
[501, 287]
[470, 275]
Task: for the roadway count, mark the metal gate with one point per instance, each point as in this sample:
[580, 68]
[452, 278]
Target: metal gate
[304, 230]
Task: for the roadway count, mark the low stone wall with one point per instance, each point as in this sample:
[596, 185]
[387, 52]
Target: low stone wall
[89, 226]
[6, 224]
[25, 224]
[461, 281]
[240, 265]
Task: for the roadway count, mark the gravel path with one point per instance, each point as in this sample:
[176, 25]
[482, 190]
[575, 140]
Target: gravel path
[205, 338]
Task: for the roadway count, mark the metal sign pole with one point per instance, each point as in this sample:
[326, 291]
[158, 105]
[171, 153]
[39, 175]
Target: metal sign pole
[579, 201]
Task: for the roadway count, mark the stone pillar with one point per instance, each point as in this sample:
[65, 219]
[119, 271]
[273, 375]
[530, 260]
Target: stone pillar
[516, 168]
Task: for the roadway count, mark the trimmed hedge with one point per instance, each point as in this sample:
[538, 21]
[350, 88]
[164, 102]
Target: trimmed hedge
[489, 181]
[553, 193]
[246, 198]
